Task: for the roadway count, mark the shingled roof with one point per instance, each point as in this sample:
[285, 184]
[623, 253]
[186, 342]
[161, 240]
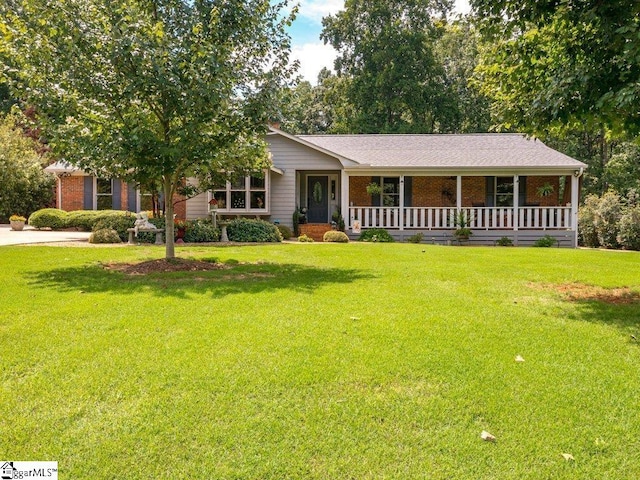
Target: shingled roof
[486, 150]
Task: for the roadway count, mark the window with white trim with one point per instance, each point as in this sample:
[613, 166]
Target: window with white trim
[244, 194]
[104, 194]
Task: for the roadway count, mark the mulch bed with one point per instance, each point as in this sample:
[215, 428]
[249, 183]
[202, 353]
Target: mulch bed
[163, 266]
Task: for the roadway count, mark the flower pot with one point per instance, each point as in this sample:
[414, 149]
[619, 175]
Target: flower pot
[17, 225]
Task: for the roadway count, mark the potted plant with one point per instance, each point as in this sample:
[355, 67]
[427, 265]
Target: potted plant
[462, 221]
[545, 190]
[17, 222]
[374, 189]
[180, 227]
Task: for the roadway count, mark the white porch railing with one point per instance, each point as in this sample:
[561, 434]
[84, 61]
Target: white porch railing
[482, 218]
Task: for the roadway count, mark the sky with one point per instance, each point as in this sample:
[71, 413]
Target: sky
[307, 47]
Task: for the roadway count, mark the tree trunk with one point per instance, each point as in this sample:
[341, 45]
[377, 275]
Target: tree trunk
[168, 215]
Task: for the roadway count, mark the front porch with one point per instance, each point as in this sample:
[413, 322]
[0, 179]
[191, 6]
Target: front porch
[520, 207]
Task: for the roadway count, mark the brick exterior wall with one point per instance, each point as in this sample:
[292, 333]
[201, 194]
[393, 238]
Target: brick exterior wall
[180, 209]
[73, 197]
[72, 193]
[533, 183]
[433, 192]
[358, 195]
[474, 191]
[123, 198]
[441, 191]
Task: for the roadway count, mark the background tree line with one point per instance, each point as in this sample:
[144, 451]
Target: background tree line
[565, 71]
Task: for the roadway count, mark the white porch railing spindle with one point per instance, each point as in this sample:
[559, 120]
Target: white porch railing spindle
[489, 218]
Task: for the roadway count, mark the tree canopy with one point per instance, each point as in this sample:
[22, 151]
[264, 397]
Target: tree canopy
[149, 89]
[563, 63]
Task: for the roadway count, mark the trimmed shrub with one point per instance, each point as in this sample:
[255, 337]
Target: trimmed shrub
[303, 238]
[52, 218]
[105, 235]
[201, 231]
[285, 232]
[376, 235]
[85, 220]
[119, 223]
[608, 215]
[335, 236]
[504, 242]
[587, 233]
[546, 241]
[417, 238]
[250, 230]
[629, 228]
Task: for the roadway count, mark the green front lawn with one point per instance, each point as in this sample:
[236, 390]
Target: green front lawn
[322, 361]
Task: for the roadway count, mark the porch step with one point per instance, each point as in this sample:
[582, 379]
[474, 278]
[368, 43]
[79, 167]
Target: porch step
[314, 230]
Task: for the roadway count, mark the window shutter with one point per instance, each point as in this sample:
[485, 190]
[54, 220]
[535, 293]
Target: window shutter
[490, 191]
[375, 199]
[88, 193]
[522, 191]
[131, 197]
[408, 184]
[116, 192]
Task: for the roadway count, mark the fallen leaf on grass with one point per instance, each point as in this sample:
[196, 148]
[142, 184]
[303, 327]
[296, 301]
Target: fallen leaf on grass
[487, 437]
[568, 457]
[519, 359]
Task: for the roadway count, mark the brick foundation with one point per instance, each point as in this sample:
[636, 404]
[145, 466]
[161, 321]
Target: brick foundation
[314, 230]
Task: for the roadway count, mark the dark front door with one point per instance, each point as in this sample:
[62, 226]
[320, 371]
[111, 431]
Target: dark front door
[318, 199]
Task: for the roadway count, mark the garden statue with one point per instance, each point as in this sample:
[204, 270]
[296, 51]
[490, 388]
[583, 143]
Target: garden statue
[143, 223]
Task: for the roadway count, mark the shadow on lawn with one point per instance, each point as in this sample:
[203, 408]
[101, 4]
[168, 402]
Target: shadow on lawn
[624, 317]
[238, 278]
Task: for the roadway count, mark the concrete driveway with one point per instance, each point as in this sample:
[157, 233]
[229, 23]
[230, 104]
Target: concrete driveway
[31, 235]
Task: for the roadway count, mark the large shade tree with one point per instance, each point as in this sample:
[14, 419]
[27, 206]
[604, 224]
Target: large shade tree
[149, 90]
[386, 50]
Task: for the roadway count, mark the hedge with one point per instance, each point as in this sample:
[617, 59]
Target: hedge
[52, 218]
[249, 230]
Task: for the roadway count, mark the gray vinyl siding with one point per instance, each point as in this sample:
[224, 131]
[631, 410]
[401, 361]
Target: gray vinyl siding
[197, 207]
[291, 157]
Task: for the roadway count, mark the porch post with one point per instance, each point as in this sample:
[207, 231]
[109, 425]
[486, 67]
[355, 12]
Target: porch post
[401, 202]
[459, 192]
[344, 196]
[574, 207]
[516, 201]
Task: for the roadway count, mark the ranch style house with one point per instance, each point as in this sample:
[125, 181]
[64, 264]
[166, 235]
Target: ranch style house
[503, 184]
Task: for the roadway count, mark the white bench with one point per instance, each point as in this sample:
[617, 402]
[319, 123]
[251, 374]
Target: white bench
[157, 231]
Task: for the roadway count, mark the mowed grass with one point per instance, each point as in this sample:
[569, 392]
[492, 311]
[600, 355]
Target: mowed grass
[357, 361]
